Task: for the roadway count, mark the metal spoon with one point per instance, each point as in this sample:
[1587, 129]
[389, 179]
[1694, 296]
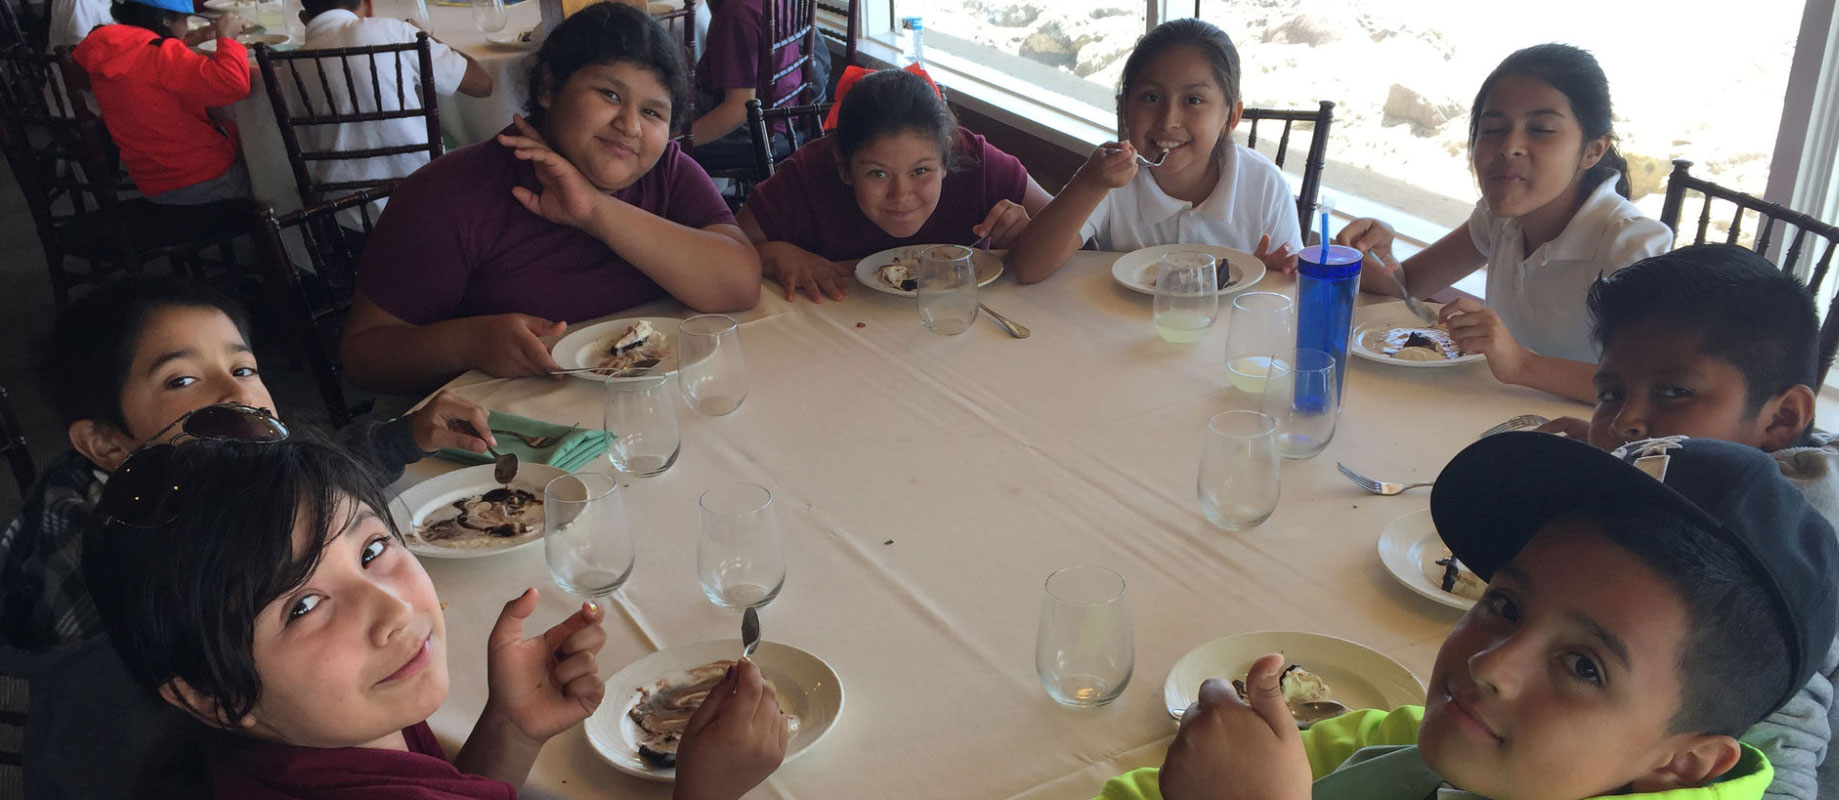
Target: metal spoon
[638, 368]
[504, 465]
[1306, 714]
[750, 632]
[1014, 328]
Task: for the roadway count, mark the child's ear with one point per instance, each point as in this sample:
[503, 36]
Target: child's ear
[1232, 121]
[101, 443]
[1785, 418]
[546, 89]
[1695, 760]
[1593, 152]
[204, 709]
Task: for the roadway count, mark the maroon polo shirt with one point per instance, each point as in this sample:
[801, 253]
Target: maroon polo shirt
[731, 51]
[252, 769]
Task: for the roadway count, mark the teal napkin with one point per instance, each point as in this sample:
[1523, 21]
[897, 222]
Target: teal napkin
[568, 449]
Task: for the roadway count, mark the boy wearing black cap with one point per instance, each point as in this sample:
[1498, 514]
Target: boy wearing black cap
[1644, 608]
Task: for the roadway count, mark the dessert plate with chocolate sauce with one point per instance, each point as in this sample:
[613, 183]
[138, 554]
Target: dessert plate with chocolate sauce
[495, 518]
[1390, 334]
[588, 346]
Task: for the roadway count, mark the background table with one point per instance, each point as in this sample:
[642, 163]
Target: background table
[927, 486]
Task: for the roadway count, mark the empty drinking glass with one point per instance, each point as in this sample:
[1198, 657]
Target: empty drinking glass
[709, 364]
[1305, 403]
[586, 536]
[740, 557]
[947, 289]
[1262, 328]
[1239, 477]
[641, 426]
[488, 15]
[1084, 651]
[1187, 297]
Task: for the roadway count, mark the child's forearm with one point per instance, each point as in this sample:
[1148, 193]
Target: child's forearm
[1053, 235]
[1572, 380]
[712, 271]
[497, 750]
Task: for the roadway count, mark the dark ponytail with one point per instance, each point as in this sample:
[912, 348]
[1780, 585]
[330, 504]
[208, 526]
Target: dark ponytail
[894, 101]
[1577, 76]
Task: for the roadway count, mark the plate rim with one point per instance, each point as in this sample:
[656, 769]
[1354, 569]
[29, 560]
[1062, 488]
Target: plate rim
[1118, 263]
[1356, 348]
[434, 551]
[581, 337]
[625, 675]
[1173, 696]
[1396, 543]
[865, 273]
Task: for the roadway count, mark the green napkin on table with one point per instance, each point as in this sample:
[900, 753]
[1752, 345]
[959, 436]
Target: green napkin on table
[569, 448]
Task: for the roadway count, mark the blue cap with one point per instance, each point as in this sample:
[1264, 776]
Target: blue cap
[1499, 491]
[180, 6]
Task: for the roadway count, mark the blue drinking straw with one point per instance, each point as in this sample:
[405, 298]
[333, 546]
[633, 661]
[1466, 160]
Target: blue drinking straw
[1324, 234]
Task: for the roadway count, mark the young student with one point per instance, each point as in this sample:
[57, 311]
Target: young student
[898, 170]
[585, 209]
[1179, 101]
[318, 678]
[153, 91]
[1644, 608]
[1553, 216]
[124, 361]
[728, 75]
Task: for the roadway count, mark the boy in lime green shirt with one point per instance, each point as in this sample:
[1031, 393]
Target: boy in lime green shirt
[1644, 608]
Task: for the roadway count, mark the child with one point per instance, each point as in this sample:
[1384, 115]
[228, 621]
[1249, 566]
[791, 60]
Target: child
[1553, 216]
[1178, 101]
[898, 170]
[1644, 608]
[126, 360]
[586, 209]
[320, 672]
[153, 92]
[729, 75]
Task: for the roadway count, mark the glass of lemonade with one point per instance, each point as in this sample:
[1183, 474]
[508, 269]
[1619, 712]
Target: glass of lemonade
[1262, 331]
[1187, 296]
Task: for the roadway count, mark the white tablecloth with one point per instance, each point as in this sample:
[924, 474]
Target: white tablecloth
[988, 462]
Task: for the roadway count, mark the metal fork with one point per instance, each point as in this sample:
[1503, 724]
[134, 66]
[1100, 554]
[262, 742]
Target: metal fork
[1519, 423]
[1378, 487]
[1140, 159]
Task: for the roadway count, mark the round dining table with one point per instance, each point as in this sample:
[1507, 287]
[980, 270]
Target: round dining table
[928, 484]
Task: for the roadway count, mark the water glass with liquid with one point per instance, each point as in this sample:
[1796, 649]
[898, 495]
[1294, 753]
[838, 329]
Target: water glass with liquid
[1187, 297]
[709, 364]
[1260, 332]
[947, 289]
[1239, 479]
[643, 436]
[1085, 648]
[1305, 403]
[740, 552]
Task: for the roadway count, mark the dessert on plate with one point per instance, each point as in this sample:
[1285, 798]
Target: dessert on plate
[902, 274]
[659, 713]
[1413, 344]
[639, 341]
[1452, 576]
[484, 520]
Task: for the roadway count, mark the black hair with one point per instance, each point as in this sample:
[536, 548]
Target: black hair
[1190, 32]
[180, 600]
[1732, 663]
[890, 102]
[1734, 304]
[315, 8]
[140, 15]
[1577, 76]
[93, 341]
[608, 33]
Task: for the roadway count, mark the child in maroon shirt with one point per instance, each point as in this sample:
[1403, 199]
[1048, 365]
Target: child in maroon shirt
[897, 171]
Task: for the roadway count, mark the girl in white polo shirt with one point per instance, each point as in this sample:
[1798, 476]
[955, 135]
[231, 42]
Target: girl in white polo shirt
[1180, 101]
[1553, 217]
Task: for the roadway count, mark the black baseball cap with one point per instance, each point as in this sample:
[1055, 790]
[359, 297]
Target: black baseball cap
[1496, 493]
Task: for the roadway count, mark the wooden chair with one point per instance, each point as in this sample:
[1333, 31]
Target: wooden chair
[852, 12]
[786, 24]
[804, 123]
[315, 305]
[1312, 163]
[72, 181]
[13, 446]
[687, 15]
[12, 29]
[1768, 215]
[320, 90]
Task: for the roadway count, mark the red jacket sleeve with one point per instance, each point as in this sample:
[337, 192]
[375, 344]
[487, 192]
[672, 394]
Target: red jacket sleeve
[218, 79]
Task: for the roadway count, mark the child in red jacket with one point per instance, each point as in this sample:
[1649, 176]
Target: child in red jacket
[153, 93]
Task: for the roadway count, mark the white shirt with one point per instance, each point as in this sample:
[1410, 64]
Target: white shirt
[1251, 200]
[1541, 297]
[71, 20]
[341, 28]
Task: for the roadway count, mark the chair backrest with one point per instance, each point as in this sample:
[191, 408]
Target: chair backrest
[1312, 163]
[788, 24]
[852, 12]
[316, 305]
[804, 122]
[1800, 231]
[315, 93]
[686, 13]
[13, 446]
[12, 31]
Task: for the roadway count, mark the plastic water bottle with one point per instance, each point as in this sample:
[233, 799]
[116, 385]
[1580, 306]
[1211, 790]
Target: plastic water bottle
[911, 38]
[1325, 287]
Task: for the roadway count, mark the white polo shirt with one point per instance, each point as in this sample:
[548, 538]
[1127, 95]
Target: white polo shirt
[71, 20]
[1541, 297]
[341, 28]
[1251, 200]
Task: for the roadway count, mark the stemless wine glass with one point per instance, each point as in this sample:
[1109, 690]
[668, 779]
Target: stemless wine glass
[709, 364]
[1084, 651]
[586, 536]
[488, 15]
[1305, 403]
[740, 557]
[641, 425]
[947, 289]
[1187, 297]
[1262, 328]
[1238, 483]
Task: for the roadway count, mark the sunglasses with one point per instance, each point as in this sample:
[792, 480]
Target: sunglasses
[142, 493]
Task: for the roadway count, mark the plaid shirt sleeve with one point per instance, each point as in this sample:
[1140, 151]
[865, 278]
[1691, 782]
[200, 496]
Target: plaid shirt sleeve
[43, 602]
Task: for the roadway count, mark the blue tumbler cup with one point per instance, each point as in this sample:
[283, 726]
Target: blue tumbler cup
[1325, 288]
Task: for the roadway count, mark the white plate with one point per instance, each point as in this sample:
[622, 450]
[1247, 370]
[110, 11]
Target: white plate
[513, 39]
[1357, 676]
[989, 267]
[433, 494]
[238, 5]
[1410, 547]
[1135, 270]
[1395, 315]
[807, 687]
[277, 41]
[581, 347]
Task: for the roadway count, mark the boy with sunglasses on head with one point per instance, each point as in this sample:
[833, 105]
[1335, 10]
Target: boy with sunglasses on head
[314, 647]
[1644, 608]
[124, 362]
